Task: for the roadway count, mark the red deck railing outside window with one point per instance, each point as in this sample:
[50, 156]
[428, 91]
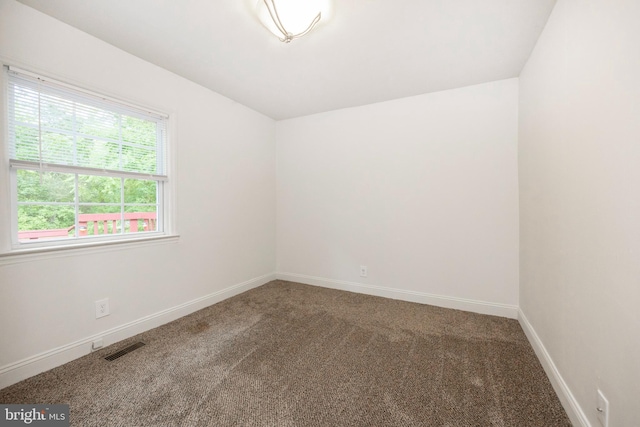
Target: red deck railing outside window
[99, 224]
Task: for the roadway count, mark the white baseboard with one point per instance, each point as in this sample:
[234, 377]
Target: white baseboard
[30, 366]
[481, 307]
[568, 400]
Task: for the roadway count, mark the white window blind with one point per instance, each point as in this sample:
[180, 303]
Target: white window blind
[57, 128]
[83, 166]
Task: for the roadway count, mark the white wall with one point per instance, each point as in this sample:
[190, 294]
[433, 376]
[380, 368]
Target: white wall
[225, 201]
[579, 170]
[422, 190]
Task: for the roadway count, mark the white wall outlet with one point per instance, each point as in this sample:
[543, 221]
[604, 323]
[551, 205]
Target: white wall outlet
[102, 308]
[602, 409]
[363, 271]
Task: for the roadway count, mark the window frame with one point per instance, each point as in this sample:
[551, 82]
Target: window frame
[164, 193]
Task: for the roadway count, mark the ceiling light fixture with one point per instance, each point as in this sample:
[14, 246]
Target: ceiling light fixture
[291, 19]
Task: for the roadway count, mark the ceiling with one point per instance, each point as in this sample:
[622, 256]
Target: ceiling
[368, 51]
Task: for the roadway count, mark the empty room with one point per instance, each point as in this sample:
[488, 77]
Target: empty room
[320, 213]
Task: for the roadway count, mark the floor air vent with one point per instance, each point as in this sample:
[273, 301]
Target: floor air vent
[124, 351]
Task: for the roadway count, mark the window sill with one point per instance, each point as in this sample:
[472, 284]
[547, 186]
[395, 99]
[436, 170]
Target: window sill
[48, 252]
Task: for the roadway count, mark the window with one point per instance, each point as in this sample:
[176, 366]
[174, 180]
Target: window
[82, 167]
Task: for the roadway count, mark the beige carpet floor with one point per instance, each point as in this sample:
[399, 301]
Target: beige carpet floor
[287, 354]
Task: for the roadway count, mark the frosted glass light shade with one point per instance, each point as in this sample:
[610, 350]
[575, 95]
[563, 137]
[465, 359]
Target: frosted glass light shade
[296, 16]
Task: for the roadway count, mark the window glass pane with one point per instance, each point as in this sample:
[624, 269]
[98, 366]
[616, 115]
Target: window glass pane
[25, 105]
[56, 113]
[26, 143]
[34, 186]
[99, 189]
[97, 153]
[99, 220]
[74, 130]
[38, 222]
[136, 159]
[57, 148]
[139, 131]
[140, 219]
[81, 129]
[140, 191]
[96, 122]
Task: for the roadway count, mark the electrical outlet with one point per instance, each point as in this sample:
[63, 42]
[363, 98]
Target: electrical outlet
[602, 409]
[363, 271]
[102, 308]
